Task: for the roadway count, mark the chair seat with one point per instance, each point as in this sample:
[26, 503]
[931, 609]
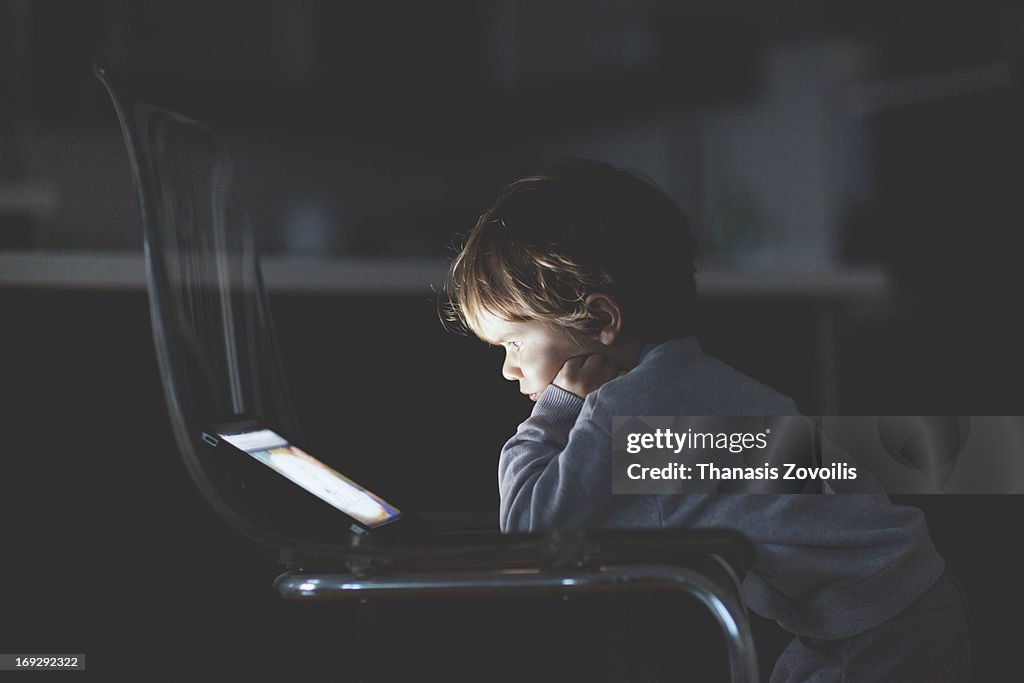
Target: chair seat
[491, 549]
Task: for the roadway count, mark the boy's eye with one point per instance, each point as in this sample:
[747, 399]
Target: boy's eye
[515, 344]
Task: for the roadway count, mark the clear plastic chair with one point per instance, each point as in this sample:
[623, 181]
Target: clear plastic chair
[217, 355]
[215, 344]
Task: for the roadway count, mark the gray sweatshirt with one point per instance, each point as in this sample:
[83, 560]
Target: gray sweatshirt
[828, 566]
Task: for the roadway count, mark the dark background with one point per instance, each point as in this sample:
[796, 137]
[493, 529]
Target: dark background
[388, 128]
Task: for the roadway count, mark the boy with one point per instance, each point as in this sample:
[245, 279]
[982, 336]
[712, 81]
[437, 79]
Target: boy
[584, 274]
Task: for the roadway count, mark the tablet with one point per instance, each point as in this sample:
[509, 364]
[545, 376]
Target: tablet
[368, 510]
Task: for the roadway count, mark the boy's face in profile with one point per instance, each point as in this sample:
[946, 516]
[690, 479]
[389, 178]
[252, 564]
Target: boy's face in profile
[535, 351]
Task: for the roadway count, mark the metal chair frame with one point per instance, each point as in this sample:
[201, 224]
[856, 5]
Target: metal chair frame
[723, 604]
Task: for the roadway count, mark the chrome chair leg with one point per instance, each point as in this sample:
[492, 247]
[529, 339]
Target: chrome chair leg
[724, 604]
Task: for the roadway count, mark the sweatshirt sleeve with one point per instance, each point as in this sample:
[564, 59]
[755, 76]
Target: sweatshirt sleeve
[548, 469]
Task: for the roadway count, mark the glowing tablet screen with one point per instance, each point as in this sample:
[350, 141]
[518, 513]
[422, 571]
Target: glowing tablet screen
[274, 451]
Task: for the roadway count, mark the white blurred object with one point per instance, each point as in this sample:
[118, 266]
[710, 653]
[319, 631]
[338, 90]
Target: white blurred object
[310, 227]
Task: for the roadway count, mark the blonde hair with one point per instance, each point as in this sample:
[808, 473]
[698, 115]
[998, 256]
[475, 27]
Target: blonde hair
[577, 228]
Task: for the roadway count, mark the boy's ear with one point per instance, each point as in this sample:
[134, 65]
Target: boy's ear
[605, 310]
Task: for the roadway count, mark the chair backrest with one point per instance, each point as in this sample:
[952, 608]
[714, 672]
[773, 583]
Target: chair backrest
[212, 328]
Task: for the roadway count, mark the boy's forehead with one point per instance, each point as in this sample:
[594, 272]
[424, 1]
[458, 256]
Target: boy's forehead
[489, 327]
[494, 329]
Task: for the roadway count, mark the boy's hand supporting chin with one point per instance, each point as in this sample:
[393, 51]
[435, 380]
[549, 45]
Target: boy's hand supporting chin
[585, 373]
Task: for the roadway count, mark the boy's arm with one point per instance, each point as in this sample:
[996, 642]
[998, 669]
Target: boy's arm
[554, 471]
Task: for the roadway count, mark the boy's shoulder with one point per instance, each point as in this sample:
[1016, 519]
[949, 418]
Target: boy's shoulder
[677, 378]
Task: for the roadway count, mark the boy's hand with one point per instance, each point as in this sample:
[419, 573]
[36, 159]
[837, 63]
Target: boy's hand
[585, 373]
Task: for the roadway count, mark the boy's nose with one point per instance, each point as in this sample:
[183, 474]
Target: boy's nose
[510, 371]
